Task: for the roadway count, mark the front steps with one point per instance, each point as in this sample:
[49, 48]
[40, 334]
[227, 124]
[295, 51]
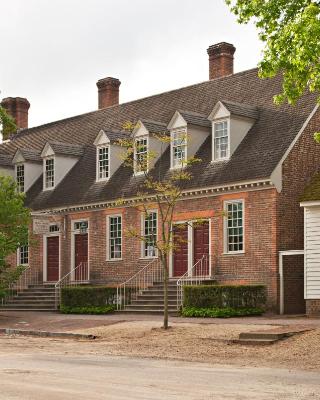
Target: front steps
[35, 298]
[150, 301]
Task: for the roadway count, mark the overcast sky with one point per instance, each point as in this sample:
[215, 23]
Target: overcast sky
[53, 52]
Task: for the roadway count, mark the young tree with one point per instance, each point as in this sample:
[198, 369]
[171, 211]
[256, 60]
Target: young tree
[290, 30]
[14, 221]
[163, 190]
[7, 124]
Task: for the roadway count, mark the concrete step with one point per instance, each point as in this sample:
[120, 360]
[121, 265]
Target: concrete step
[26, 295]
[153, 302]
[155, 290]
[149, 307]
[261, 336]
[27, 309]
[28, 305]
[31, 301]
[156, 297]
[256, 341]
[147, 312]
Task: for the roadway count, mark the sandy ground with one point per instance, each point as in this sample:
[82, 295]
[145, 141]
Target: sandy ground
[31, 376]
[184, 341]
[208, 343]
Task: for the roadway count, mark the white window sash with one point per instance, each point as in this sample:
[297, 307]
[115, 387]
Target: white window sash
[100, 162]
[227, 228]
[152, 251]
[218, 157]
[109, 238]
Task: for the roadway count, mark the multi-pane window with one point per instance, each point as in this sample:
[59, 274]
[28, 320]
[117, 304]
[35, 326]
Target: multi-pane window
[115, 237]
[20, 177]
[221, 140]
[150, 234]
[141, 155]
[54, 228]
[179, 148]
[49, 173]
[234, 226]
[103, 162]
[23, 254]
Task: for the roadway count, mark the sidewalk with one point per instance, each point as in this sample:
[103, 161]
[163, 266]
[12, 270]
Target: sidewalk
[52, 321]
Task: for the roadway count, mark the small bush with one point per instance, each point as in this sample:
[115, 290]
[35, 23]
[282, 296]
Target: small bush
[224, 296]
[88, 296]
[87, 310]
[226, 312]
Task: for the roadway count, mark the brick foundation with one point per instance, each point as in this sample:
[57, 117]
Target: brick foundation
[313, 308]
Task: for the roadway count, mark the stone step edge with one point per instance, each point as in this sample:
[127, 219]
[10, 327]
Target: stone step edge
[23, 332]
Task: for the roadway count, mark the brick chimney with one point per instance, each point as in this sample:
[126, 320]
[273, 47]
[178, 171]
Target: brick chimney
[18, 108]
[220, 60]
[108, 92]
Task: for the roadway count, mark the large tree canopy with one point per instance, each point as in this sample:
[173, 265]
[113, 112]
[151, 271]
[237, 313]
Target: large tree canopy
[7, 124]
[14, 222]
[291, 32]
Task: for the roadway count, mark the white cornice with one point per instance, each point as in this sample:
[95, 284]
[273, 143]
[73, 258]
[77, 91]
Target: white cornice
[245, 186]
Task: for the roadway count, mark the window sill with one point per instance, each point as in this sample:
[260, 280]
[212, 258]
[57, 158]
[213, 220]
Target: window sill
[236, 253]
[149, 258]
[114, 259]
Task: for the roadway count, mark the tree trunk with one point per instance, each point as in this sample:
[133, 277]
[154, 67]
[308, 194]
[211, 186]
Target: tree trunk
[165, 294]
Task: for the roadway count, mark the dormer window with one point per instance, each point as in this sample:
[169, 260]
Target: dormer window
[141, 155]
[20, 177]
[179, 148]
[230, 124]
[49, 173]
[103, 161]
[221, 140]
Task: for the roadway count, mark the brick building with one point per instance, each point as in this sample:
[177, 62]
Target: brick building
[256, 158]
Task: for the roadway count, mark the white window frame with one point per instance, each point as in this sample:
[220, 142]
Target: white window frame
[173, 133]
[225, 235]
[24, 176]
[108, 236]
[143, 243]
[227, 120]
[19, 256]
[135, 164]
[106, 178]
[45, 187]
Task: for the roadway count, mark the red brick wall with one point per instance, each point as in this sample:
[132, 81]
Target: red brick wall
[258, 264]
[299, 167]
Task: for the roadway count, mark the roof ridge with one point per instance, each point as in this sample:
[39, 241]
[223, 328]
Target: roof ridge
[25, 131]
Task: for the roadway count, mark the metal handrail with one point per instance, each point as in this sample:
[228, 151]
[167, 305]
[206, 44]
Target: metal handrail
[132, 287]
[199, 272]
[80, 271]
[27, 278]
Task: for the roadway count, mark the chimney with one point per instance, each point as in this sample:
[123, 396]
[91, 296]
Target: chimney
[18, 108]
[108, 92]
[220, 60]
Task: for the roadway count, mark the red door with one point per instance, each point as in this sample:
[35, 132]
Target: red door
[180, 253]
[53, 258]
[201, 248]
[81, 257]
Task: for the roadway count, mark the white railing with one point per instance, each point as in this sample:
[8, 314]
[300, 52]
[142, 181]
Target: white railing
[146, 277]
[76, 277]
[200, 272]
[28, 278]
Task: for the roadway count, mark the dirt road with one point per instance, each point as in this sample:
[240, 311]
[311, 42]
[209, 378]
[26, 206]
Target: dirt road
[64, 377]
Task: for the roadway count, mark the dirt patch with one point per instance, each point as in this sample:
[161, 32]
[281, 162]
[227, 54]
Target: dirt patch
[192, 342]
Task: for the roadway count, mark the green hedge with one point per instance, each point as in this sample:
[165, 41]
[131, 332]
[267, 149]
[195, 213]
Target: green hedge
[88, 296]
[87, 310]
[226, 312]
[223, 296]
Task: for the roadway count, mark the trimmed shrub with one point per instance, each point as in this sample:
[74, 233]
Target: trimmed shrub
[225, 296]
[226, 312]
[87, 296]
[87, 310]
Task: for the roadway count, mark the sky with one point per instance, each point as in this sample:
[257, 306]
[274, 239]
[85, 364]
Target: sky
[53, 52]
